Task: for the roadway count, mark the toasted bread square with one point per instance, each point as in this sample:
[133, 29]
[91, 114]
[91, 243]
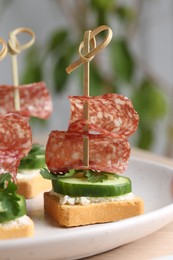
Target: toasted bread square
[79, 215]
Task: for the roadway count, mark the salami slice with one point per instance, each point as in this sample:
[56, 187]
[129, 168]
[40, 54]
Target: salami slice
[15, 141]
[35, 100]
[64, 151]
[110, 112]
[79, 126]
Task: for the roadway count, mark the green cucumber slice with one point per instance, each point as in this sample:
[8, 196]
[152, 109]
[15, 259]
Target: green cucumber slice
[80, 187]
[29, 164]
[9, 214]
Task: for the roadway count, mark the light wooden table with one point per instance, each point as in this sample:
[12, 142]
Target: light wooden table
[157, 244]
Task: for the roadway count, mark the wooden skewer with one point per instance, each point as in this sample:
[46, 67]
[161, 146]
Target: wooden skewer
[15, 82]
[15, 48]
[86, 93]
[86, 89]
[87, 51]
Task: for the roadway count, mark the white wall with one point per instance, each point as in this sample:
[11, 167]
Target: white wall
[42, 17]
[154, 40]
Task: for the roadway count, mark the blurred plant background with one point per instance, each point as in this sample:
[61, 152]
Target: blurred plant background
[118, 69]
[122, 74]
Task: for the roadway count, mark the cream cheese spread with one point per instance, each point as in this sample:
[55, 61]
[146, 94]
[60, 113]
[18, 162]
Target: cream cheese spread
[65, 199]
[22, 221]
[28, 174]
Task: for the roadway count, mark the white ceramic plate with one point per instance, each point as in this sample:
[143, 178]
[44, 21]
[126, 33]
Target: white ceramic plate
[151, 180]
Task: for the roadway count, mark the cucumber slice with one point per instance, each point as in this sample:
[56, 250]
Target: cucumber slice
[9, 214]
[29, 164]
[80, 187]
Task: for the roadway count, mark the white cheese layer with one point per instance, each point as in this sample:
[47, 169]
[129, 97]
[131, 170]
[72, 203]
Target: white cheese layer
[28, 174]
[22, 221]
[65, 199]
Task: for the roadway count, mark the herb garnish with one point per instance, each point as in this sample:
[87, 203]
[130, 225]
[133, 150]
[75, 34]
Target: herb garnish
[9, 206]
[35, 158]
[92, 176]
[45, 173]
[96, 176]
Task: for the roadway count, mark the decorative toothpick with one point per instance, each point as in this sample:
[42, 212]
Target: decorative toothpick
[86, 77]
[15, 48]
[3, 50]
[87, 51]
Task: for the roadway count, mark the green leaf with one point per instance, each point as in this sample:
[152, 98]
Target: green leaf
[102, 8]
[57, 40]
[122, 60]
[101, 18]
[11, 187]
[59, 71]
[46, 174]
[35, 151]
[70, 173]
[150, 102]
[33, 67]
[34, 159]
[9, 205]
[40, 122]
[32, 73]
[92, 176]
[96, 176]
[102, 5]
[126, 14]
[96, 81]
[3, 178]
[59, 74]
[146, 136]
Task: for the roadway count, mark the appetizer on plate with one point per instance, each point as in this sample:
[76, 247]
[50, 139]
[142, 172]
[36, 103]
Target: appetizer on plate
[35, 101]
[30, 100]
[85, 162]
[15, 143]
[29, 181]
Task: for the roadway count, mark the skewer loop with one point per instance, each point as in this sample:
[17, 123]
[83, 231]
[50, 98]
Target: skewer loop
[4, 49]
[14, 45]
[90, 55]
